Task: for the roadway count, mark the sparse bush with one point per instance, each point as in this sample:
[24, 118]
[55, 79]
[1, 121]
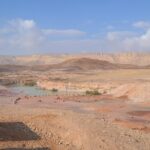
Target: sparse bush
[54, 90]
[93, 92]
[30, 83]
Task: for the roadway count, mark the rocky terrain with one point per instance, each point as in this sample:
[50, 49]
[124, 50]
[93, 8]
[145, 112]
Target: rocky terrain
[99, 102]
[73, 123]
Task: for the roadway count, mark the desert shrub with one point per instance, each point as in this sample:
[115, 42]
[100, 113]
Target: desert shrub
[54, 90]
[92, 92]
[30, 83]
[57, 79]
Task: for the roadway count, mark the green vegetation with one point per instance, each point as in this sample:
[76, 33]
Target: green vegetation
[92, 92]
[30, 83]
[54, 90]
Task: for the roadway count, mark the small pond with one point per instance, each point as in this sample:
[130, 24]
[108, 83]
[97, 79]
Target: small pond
[32, 90]
[36, 91]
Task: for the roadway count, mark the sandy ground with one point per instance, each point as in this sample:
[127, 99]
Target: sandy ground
[119, 119]
[101, 123]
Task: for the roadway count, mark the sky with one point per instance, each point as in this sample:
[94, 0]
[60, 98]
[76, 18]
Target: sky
[73, 26]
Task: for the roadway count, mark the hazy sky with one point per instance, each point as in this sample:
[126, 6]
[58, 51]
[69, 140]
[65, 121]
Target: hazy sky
[65, 26]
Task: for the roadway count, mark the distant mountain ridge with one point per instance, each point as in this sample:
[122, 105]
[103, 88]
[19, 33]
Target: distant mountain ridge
[75, 64]
[121, 58]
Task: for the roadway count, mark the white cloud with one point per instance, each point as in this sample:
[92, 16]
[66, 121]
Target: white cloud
[25, 37]
[67, 32]
[22, 35]
[75, 45]
[129, 41]
[118, 35]
[26, 24]
[110, 27]
[142, 24]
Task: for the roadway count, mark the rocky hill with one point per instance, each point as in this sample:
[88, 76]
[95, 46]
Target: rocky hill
[75, 64]
[91, 64]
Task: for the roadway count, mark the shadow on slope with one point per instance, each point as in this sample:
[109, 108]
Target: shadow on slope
[16, 131]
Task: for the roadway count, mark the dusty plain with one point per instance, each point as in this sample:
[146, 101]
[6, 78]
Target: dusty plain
[115, 117]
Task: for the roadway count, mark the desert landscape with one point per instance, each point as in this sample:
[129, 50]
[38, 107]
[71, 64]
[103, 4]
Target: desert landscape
[74, 75]
[90, 101]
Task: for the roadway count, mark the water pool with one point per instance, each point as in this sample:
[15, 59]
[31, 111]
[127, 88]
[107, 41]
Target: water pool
[36, 91]
[32, 91]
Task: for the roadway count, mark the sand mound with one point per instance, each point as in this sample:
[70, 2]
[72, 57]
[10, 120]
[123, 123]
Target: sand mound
[92, 64]
[87, 63]
[135, 91]
[78, 64]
